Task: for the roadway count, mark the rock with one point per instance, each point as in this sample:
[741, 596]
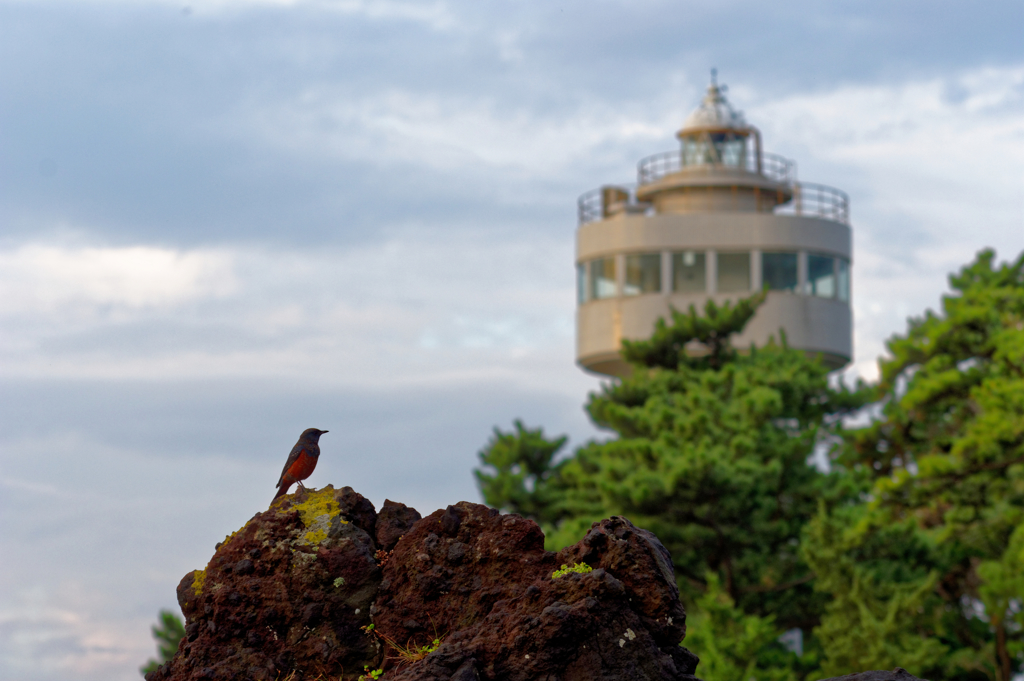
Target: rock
[358, 509]
[484, 583]
[287, 592]
[897, 674]
[394, 521]
[287, 596]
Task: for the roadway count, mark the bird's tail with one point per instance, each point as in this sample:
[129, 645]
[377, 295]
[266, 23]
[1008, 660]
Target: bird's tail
[281, 491]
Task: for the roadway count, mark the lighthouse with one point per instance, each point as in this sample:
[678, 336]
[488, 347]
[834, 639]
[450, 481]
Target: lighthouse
[716, 219]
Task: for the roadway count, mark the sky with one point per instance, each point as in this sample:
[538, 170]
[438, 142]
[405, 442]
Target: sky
[225, 221]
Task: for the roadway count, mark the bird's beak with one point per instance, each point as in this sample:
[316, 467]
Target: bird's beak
[324, 431]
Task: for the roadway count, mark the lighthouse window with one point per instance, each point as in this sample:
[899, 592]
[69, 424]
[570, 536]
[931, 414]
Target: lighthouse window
[688, 272]
[843, 279]
[733, 272]
[725, 148]
[779, 271]
[581, 283]
[643, 274]
[821, 276]
[602, 278]
[731, 150]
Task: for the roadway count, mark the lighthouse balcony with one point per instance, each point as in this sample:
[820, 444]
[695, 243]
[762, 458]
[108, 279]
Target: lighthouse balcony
[690, 194]
[772, 167]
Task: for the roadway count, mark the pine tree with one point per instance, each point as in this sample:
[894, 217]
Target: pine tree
[168, 633]
[929, 574]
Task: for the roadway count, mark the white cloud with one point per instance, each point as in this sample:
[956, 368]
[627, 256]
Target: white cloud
[444, 132]
[39, 278]
[411, 310]
[46, 635]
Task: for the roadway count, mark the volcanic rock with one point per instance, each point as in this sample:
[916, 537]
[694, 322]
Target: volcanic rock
[394, 521]
[465, 594]
[287, 593]
[481, 583]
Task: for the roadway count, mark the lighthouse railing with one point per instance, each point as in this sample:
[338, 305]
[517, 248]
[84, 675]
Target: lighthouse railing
[608, 200]
[774, 167]
[809, 200]
[817, 200]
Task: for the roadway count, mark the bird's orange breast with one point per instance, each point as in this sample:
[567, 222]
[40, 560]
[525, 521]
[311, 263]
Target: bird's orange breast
[301, 469]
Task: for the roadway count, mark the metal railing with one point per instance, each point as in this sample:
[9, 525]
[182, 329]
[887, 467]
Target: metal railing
[595, 205]
[817, 200]
[774, 167]
[589, 206]
[809, 199]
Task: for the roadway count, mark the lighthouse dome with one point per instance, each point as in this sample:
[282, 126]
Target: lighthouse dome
[714, 112]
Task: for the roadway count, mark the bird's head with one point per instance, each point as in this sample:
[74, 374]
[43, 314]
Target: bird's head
[312, 434]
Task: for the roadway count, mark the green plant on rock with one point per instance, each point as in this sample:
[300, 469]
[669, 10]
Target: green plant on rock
[577, 568]
[371, 674]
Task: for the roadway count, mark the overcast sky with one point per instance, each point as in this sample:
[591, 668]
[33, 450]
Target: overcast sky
[224, 222]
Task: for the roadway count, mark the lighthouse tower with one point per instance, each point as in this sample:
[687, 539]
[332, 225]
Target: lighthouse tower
[716, 219]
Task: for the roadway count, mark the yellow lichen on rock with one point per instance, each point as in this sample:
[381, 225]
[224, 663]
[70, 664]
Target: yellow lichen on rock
[317, 512]
[236, 532]
[317, 503]
[318, 532]
[198, 579]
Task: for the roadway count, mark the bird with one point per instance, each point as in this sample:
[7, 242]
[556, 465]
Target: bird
[301, 461]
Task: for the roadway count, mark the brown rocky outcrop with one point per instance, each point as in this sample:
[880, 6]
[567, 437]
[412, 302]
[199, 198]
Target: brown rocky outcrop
[291, 595]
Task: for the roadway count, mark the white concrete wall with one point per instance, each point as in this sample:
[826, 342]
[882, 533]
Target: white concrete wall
[817, 325]
[722, 231]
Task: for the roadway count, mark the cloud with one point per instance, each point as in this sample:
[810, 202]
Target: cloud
[46, 637]
[404, 311]
[39, 278]
[439, 132]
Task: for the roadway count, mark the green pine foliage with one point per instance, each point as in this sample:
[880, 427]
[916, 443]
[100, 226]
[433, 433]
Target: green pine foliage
[168, 633]
[522, 480]
[879, 577]
[735, 645]
[928, 573]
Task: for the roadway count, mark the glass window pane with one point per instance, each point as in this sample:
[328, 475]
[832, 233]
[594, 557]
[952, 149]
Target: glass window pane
[779, 271]
[688, 272]
[733, 272]
[643, 274]
[843, 279]
[581, 283]
[821, 276]
[731, 151]
[696, 152]
[602, 278]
